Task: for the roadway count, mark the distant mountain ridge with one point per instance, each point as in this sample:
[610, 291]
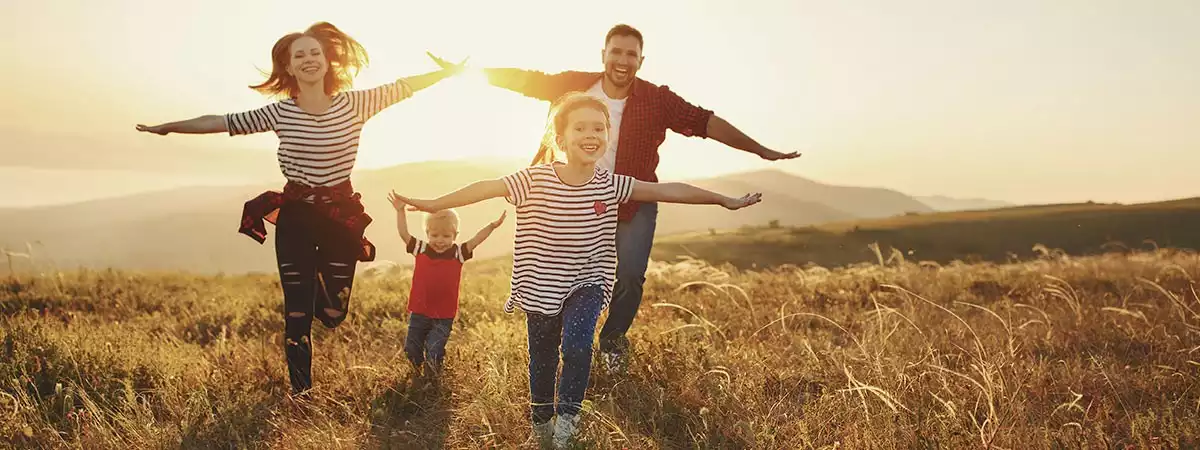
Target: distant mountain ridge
[195, 228]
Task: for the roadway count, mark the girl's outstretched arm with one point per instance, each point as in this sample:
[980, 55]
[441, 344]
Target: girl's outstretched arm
[471, 193]
[200, 125]
[685, 193]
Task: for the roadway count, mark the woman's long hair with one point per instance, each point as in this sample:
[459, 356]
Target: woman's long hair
[344, 57]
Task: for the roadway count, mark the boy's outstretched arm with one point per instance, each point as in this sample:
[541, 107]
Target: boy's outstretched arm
[484, 232]
[472, 193]
[685, 193]
[401, 217]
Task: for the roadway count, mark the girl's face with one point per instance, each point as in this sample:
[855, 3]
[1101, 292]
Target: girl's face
[585, 138]
[308, 63]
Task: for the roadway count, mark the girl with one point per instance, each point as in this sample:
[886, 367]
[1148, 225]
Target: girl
[318, 216]
[564, 251]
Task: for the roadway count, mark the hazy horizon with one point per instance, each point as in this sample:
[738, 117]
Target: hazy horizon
[1017, 101]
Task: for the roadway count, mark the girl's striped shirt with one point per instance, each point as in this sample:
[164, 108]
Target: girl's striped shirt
[319, 149]
[566, 236]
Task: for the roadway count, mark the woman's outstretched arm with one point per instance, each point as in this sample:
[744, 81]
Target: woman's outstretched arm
[200, 125]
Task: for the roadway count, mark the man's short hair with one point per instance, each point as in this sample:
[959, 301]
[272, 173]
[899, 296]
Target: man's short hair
[624, 30]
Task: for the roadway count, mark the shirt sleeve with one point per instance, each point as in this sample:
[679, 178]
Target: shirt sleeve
[415, 246]
[624, 187]
[369, 102]
[683, 117]
[518, 185]
[259, 120]
[465, 254]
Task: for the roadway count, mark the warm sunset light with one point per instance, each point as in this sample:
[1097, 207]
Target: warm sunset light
[744, 224]
[996, 102]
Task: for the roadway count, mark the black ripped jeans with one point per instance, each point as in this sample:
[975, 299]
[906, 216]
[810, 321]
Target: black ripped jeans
[316, 260]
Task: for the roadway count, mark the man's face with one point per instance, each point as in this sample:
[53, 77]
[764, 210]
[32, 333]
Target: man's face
[622, 58]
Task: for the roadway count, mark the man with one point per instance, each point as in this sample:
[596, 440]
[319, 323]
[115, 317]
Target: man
[641, 112]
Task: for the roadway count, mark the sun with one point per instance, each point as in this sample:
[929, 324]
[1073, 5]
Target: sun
[460, 118]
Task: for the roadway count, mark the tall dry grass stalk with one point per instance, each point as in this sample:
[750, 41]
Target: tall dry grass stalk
[1094, 352]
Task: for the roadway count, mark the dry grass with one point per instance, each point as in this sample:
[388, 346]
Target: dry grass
[1097, 352]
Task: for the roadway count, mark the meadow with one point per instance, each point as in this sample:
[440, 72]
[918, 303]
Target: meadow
[1055, 351]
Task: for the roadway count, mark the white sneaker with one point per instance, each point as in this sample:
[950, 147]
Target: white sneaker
[543, 435]
[613, 363]
[565, 429]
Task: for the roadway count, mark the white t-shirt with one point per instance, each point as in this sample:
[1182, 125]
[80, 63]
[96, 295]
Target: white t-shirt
[615, 109]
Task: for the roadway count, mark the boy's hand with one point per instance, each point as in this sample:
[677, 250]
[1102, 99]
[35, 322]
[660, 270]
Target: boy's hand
[397, 201]
[744, 201]
[496, 224]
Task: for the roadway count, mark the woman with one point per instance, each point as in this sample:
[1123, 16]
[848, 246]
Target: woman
[319, 218]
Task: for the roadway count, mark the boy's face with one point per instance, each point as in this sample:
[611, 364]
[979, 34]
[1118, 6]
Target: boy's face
[441, 235]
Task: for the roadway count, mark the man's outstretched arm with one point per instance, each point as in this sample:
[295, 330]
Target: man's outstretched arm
[530, 83]
[724, 132]
[691, 120]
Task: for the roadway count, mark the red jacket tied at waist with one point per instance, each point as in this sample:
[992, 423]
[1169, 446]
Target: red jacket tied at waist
[338, 203]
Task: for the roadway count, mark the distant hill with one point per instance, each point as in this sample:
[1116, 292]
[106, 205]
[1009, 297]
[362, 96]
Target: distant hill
[992, 235]
[943, 203]
[195, 229]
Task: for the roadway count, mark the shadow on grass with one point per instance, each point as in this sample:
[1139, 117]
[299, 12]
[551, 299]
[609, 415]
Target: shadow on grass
[416, 413]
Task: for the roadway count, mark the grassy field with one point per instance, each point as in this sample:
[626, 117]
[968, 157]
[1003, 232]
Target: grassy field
[999, 235]
[1060, 352]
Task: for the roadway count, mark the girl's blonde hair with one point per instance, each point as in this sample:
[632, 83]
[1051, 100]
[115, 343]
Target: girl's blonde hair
[557, 124]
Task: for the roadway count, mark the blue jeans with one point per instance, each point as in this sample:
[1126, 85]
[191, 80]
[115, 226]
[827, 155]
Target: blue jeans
[634, 240]
[427, 339]
[573, 328]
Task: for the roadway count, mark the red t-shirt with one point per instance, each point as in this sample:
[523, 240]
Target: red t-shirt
[436, 278]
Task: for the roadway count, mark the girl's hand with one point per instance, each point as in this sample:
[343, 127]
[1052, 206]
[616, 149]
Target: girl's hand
[157, 129]
[744, 201]
[397, 202]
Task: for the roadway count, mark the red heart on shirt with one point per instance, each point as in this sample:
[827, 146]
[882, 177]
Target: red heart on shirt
[600, 207]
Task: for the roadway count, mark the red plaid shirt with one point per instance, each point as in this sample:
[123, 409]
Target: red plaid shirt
[344, 206]
[650, 111]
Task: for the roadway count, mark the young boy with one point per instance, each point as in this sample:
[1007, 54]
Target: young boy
[433, 301]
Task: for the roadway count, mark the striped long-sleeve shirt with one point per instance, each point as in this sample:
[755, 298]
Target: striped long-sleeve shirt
[650, 111]
[566, 236]
[319, 149]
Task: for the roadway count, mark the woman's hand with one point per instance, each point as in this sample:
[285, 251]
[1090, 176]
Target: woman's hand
[160, 130]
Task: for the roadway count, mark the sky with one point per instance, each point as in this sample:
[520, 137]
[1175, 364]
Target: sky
[1017, 100]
